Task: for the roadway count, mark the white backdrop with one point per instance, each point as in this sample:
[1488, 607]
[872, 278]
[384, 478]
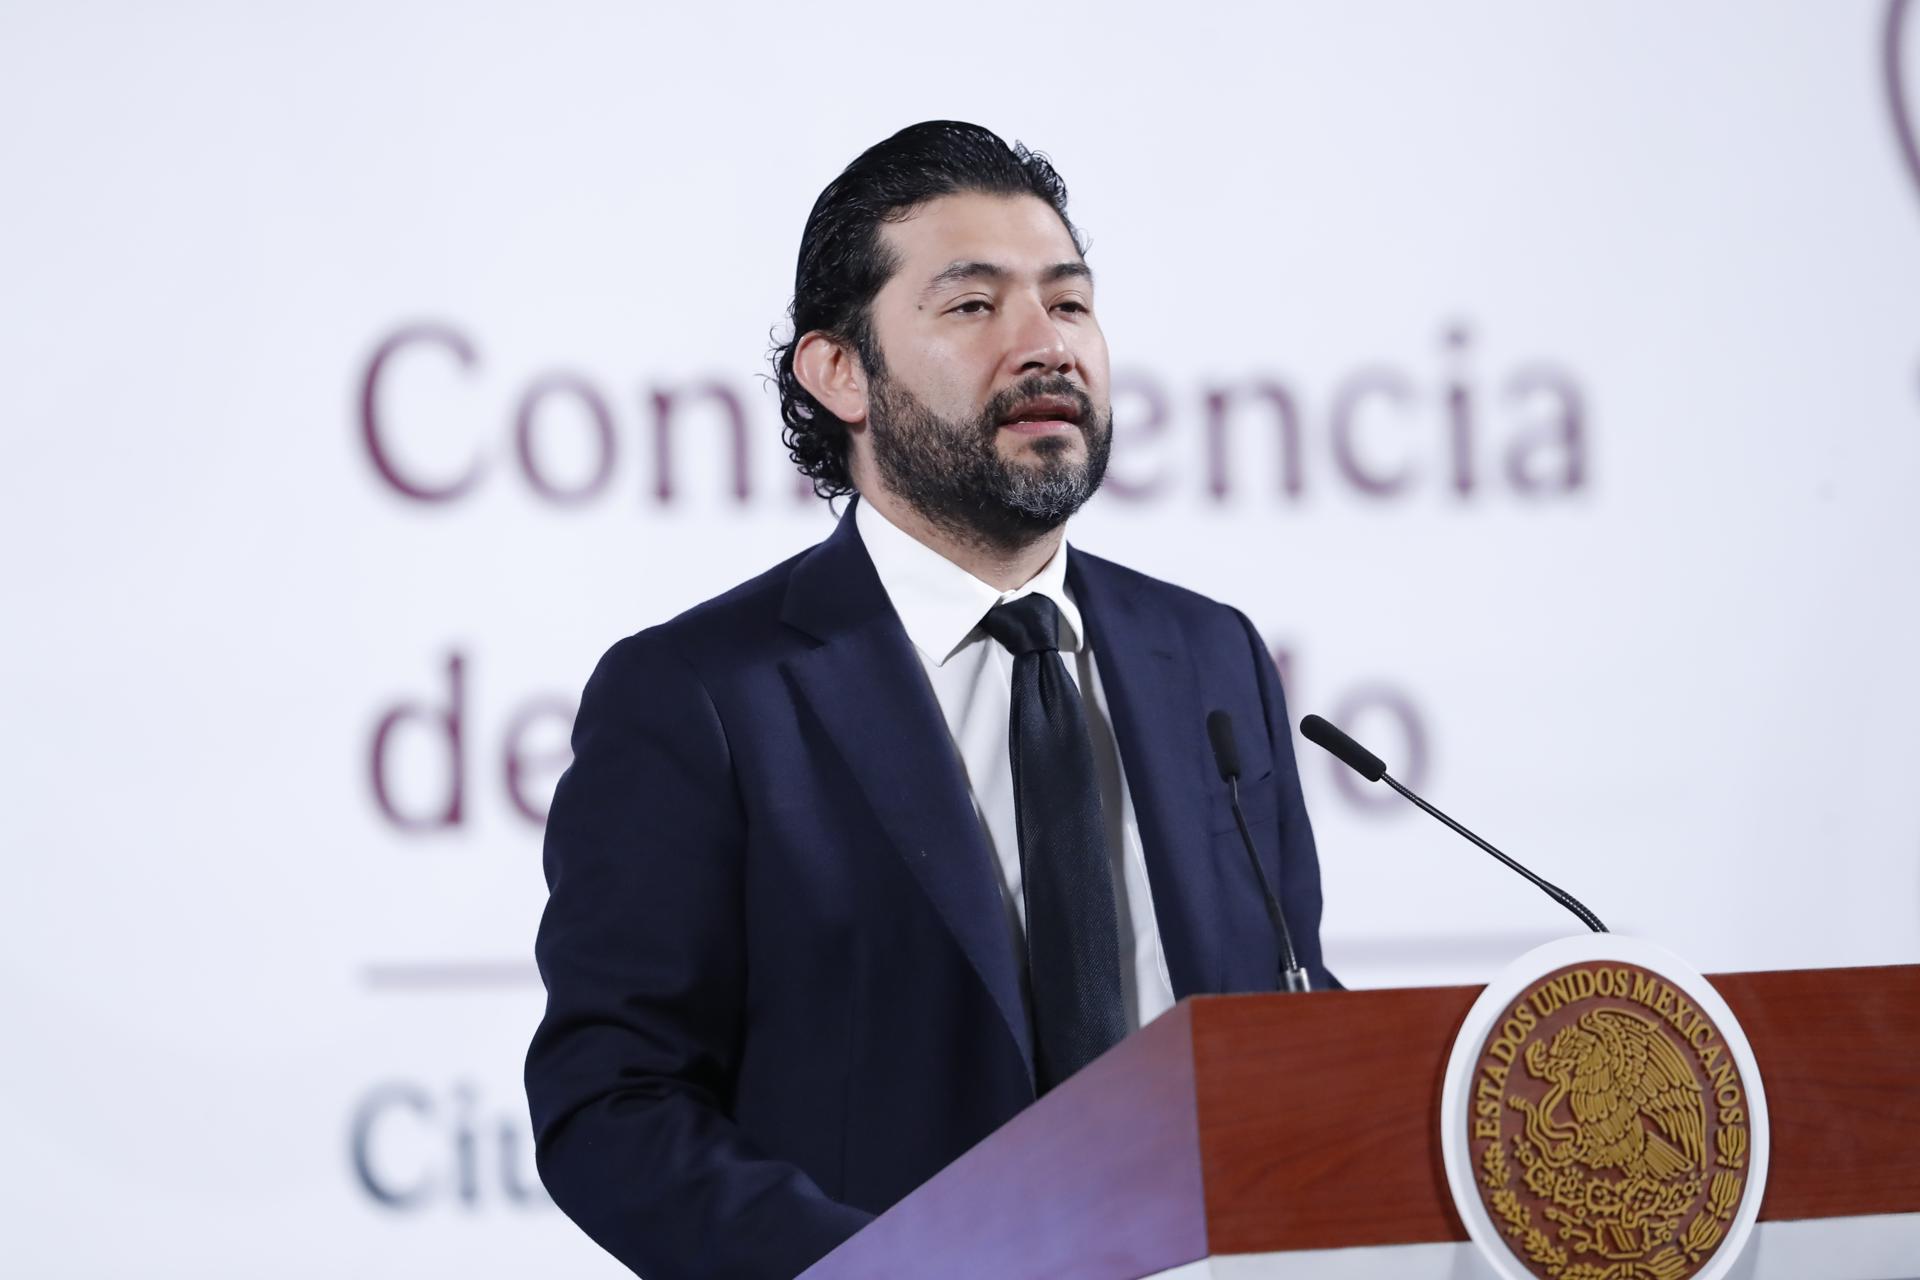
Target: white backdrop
[1613, 306]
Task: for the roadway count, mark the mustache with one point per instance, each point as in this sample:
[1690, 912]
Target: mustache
[1032, 387]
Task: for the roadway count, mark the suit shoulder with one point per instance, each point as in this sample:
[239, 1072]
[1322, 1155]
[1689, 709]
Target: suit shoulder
[1188, 606]
[740, 624]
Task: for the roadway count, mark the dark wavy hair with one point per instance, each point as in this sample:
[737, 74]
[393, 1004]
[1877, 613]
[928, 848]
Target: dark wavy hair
[844, 262]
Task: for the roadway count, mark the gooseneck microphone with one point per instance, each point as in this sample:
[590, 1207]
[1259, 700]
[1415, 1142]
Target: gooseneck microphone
[1226, 757]
[1369, 766]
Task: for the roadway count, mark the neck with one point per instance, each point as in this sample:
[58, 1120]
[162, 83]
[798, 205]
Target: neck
[999, 566]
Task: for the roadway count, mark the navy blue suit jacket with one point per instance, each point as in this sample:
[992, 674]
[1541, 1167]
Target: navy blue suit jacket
[781, 992]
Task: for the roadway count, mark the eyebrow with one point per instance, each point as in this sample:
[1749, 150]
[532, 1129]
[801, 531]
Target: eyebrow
[956, 272]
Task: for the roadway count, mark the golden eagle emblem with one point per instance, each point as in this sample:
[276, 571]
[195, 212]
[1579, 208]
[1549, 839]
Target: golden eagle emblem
[1609, 1135]
[1635, 1104]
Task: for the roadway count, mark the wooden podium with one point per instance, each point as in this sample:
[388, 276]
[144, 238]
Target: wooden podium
[1299, 1135]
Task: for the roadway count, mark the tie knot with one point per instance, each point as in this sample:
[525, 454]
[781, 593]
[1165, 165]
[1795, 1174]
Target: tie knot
[1030, 624]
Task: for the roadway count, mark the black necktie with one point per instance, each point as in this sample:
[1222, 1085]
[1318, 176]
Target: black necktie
[1073, 927]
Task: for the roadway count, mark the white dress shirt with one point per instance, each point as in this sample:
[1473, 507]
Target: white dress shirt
[941, 605]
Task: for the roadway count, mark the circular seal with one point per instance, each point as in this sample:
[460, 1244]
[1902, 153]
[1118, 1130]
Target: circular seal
[1603, 1118]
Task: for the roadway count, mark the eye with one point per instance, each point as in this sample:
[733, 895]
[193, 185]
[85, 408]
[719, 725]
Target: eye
[1072, 305]
[972, 307]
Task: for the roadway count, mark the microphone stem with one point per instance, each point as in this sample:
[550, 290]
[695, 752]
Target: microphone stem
[1553, 891]
[1293, 976]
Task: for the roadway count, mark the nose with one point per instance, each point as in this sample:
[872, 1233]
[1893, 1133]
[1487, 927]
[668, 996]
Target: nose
[1039, 344]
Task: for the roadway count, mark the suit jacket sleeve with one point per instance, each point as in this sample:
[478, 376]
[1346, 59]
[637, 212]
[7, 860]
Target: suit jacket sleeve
[1299, 885]
[642, 950]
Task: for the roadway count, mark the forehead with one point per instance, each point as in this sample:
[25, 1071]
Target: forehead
[1019, 232]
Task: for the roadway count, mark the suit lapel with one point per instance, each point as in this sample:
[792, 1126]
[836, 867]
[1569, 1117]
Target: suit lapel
[866, 686]
[1153, 695]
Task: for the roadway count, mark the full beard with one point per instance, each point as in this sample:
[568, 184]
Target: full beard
[951, 473]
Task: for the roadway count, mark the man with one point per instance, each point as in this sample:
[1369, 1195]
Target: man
[856, 860]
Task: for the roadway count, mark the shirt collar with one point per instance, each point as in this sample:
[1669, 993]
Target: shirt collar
[939, 603]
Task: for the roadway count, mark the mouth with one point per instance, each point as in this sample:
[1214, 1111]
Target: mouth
[1042, 416]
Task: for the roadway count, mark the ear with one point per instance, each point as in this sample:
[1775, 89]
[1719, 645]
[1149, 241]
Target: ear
[831, 371]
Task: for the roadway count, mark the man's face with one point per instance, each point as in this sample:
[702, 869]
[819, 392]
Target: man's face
[991, 414]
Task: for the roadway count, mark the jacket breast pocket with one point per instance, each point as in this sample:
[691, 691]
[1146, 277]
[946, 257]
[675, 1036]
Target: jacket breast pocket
[1259, 800]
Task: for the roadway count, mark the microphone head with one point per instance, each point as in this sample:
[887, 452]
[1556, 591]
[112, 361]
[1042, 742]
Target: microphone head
[1356, 757]
[1226, 752]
